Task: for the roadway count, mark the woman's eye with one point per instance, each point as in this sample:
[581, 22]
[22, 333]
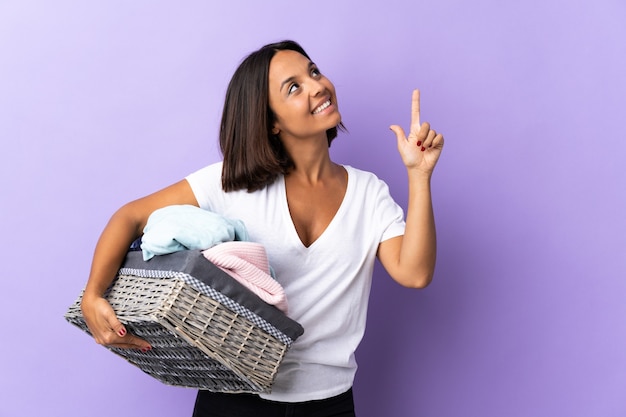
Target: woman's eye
[315, 72]
[292, 88]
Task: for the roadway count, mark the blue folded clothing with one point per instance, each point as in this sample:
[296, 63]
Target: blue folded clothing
[180, 227]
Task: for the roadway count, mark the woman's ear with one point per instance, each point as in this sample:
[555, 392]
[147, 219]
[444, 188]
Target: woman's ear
[275, 130]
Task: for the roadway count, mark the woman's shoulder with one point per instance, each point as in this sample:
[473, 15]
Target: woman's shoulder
[365, 184]
[206, 183]
[206, 173]
[361, 175]
[211, 168]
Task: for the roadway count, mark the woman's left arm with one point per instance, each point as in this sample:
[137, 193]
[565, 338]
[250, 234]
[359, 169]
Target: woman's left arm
[410, 259]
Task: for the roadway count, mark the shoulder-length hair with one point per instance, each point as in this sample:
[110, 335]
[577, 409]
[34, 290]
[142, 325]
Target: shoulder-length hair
[253, 156]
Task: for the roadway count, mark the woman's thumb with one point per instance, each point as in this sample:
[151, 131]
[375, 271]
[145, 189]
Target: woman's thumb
[398, 131]
[117, 327]
[400, 135]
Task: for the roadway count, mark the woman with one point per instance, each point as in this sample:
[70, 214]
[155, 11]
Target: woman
[321, 223]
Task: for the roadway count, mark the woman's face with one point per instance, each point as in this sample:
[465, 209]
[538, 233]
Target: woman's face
[302, 99]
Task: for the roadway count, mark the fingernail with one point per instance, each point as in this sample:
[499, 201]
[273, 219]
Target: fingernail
[122, 332]
[145, 350]
[419, 143]
[423, 149]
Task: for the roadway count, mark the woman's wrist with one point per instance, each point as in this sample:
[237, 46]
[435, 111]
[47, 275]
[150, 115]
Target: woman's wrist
[419, 176]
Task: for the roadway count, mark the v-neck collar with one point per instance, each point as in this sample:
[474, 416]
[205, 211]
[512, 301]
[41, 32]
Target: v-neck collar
[293, 233]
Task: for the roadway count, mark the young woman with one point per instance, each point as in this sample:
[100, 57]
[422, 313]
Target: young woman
[322, 224]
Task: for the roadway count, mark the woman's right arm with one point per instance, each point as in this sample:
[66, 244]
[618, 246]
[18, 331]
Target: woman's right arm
[125, 226]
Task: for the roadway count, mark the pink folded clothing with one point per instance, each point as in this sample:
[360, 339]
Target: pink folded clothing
[247, 263]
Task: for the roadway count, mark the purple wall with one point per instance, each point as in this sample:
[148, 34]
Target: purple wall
[102, 102]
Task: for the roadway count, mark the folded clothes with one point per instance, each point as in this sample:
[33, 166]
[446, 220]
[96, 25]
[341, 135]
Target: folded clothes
[179, 227]
[247, 263]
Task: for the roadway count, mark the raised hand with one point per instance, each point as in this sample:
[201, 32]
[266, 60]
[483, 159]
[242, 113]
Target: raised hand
[421, 149]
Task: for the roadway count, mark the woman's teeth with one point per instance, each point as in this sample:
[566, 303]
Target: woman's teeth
[322, 107]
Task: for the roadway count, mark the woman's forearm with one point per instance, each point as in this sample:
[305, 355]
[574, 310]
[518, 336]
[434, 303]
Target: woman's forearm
[418, 252]
[110, 251]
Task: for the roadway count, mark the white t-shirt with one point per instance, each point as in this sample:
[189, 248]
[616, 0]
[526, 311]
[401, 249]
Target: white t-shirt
[327, 284]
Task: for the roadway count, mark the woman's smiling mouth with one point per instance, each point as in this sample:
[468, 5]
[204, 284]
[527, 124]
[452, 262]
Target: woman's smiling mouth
[321, 107]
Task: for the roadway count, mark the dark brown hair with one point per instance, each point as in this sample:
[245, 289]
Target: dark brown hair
[253, 156]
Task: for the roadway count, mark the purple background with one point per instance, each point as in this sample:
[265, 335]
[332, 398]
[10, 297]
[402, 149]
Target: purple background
[103, 102]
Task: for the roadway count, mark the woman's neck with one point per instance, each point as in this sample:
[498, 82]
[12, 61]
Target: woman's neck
[311, 159]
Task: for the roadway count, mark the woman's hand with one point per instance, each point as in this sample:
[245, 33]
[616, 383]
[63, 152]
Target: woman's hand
[105, 327]
[421, 149]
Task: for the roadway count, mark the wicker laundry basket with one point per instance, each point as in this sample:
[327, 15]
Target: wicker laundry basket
[207, 331]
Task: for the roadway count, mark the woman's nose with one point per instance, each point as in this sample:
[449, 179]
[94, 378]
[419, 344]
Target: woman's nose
[317, 87]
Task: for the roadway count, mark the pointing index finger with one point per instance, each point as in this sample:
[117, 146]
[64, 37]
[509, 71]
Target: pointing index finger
[415, 111]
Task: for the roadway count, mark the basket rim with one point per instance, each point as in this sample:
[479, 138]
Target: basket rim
[194, 265]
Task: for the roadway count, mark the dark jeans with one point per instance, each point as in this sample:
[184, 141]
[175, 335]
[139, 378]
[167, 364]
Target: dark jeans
[210, 404]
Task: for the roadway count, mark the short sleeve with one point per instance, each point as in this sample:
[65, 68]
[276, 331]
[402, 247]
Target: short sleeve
[390, 214]
[207, 186]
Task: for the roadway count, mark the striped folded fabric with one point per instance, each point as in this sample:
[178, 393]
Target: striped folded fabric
[247, 263]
